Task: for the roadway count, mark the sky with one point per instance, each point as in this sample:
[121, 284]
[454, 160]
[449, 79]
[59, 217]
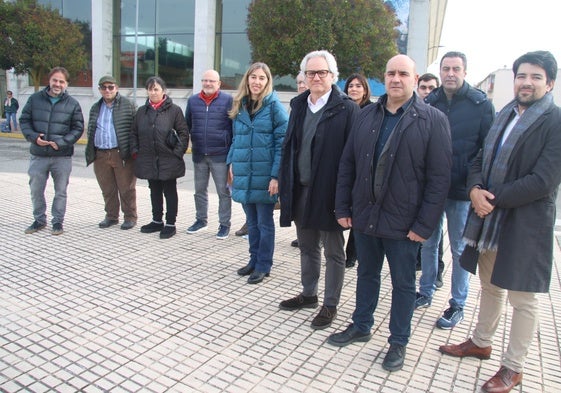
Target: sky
[493, 33]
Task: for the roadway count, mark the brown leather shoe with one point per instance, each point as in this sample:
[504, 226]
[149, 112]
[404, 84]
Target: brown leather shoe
[502, 382]
[466, 349]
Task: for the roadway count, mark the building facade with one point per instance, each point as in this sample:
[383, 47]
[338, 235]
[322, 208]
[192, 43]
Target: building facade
[180, 39]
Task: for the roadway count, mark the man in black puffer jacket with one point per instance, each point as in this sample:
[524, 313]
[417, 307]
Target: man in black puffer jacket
[52, 122]
[109, 131]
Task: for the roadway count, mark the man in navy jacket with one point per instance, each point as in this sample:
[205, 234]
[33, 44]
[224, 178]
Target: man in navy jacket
[211, 135]
[392, 184]
[470, 114]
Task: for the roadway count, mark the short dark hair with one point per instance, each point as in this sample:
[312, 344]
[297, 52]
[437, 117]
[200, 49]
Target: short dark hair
[455, 54]
[428, 77]
[540, 58]
[9, 92]
[62, 70]
[150, 82]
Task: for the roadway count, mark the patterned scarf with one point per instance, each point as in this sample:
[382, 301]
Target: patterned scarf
[483, 233]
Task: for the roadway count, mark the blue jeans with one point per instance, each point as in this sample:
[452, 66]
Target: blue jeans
[219, 172]
[261, 233]
[11, 117]
[402, 258]
[456, 215]
[429, 261]
[39, 169]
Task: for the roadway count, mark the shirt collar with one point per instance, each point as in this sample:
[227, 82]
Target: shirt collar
[320, 103]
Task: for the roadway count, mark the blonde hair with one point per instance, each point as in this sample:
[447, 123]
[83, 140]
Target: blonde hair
[243, 89]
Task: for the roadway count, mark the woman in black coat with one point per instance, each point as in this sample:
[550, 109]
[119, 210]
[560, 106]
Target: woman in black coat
[159, 140]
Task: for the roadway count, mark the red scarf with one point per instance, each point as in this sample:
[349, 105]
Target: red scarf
[159, 104]
[208, 99]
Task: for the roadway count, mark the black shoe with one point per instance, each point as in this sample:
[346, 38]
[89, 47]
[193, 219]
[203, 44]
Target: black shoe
[394, 358]
[350, 262]
[107, 223]
[167, 231]
[324, 318]
[36, 226]
[348, 336]
[294, 243]
[298, 302]
[128, 225]
[438, 282]
[246, 270]
[152, 227]
[57, 229]
[256, 277]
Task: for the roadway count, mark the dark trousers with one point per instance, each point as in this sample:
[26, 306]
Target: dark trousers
[159, 189]
[402, 256]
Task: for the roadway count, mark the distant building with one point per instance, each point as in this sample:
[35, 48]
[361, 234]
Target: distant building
[499, 87]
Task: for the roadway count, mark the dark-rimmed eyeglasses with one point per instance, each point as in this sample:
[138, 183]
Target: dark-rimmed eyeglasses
[107, 87]
[312, 74]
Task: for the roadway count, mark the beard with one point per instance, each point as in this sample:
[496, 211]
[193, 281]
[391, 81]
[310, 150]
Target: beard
[526, 100]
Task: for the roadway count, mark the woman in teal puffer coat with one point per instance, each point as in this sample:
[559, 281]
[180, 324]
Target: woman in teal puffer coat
[259, 122]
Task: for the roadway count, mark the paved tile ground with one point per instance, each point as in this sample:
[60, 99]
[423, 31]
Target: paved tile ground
[106, 310]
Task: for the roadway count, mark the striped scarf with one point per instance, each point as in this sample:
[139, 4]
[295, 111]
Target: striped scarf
[483, 233]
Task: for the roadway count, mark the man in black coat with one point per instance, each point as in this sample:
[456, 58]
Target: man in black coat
[513, 187]
[319, 125]
[393, 180]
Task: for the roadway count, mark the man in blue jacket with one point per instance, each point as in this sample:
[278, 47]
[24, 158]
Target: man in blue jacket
[470, 114]
[52, 122]
[391, 189]
[211, 136]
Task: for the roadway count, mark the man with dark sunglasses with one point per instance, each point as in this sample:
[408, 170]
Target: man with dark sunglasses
[109, 129]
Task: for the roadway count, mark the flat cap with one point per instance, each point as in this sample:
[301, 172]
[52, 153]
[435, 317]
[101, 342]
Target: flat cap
[107, 79]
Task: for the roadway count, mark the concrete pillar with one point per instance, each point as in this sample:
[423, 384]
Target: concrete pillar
[418, 33]
[102, 41]
[204, 39]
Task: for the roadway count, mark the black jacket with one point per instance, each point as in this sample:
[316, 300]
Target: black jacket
[470, 115]
[123, 115]
[154, 158]
[331, 134]
[416, 178]
[61, 122]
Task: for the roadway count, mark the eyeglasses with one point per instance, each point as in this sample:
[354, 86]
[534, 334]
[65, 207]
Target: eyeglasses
[208, 81]
[107, 87]
[312, 74]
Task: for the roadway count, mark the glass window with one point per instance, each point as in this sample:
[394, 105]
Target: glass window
[233, 52]
[165, 41]
[79, 11]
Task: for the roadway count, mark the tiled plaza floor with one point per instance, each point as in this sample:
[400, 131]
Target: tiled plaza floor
[106, 310]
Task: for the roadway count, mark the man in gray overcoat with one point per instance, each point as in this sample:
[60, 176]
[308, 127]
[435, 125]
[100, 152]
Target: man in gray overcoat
[513, 187]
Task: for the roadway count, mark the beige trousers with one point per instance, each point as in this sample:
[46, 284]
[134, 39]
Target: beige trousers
[525, 315]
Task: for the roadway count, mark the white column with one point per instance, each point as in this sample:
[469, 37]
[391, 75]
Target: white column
[418, 33]
[204, 39]
[102, 41]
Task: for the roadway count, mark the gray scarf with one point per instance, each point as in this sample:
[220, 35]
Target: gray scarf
[483, 233]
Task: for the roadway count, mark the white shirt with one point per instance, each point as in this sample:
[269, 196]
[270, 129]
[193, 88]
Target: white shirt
[320, 103]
